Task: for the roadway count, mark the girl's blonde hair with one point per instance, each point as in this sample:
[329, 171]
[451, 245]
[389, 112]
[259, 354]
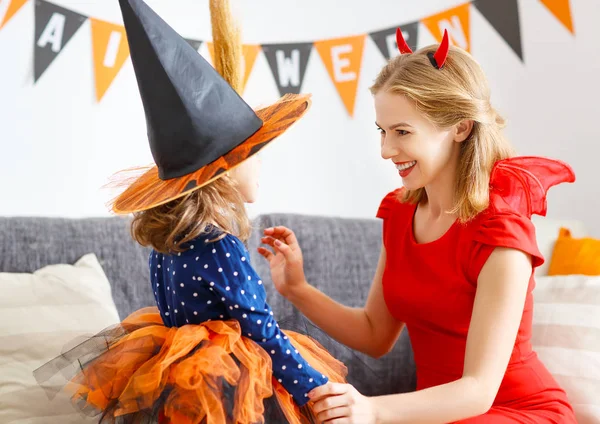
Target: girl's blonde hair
[456, 92]
[167, 227]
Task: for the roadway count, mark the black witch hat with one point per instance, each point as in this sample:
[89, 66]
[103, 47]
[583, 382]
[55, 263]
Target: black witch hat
[198, 125]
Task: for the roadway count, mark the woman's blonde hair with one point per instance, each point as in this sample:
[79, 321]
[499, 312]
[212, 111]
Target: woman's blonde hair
[169, 226]
[456, 92]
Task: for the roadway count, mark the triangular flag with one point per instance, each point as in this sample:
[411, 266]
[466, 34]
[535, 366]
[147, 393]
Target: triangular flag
[288, 64]
[250, 53]
[385, 40]
[110, 50]
[456, 21]
[13, 7]
[54, 28]
[561, 9]
[194, 43]
[504, 17]
[342, 58]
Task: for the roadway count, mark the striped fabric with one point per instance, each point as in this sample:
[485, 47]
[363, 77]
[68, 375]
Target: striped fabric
[40, 313]
[566, 336]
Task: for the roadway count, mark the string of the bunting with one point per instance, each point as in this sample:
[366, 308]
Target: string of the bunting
[55, 26]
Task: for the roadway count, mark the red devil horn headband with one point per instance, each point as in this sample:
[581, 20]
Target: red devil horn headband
[437, 59]
[402, 46]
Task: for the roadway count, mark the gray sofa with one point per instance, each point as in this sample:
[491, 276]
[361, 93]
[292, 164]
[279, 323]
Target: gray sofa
[340, 258]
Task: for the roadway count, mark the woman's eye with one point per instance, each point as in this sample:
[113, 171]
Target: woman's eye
[402, 132]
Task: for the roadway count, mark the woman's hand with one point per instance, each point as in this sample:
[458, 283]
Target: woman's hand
[286, 263]
[337, 403]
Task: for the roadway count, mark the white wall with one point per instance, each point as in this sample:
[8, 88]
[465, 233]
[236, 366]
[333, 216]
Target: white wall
[57, 146]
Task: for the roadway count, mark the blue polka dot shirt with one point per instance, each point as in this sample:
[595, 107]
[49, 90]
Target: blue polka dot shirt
[214, 280]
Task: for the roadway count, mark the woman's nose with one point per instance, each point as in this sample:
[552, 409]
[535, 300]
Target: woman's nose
[388, 150]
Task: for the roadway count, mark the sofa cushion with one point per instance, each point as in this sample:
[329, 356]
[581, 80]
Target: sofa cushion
[40, 313]
[32, 243]
[566, 336]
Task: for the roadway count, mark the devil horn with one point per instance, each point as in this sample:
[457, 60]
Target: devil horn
[442, 52]
[402, 46]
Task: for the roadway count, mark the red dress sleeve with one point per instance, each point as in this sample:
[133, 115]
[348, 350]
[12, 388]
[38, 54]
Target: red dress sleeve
[518, 188]
[389, 202]
[503, 230]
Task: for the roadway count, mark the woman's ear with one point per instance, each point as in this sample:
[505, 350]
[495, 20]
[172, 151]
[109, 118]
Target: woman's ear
[463, 130]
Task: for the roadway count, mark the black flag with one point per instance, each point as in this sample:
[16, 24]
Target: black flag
[288, 64]
[194, 43]
[385, 40]
[54, 27]
[504, 17]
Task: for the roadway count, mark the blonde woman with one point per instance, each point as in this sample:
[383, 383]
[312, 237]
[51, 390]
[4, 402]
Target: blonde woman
[457, 257]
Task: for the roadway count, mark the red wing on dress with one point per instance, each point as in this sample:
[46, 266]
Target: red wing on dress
[523, 182]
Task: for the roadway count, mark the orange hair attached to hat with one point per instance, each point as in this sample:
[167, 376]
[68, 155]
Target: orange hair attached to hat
[227, 43]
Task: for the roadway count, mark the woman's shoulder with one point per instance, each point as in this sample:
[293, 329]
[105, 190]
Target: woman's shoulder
[393, 204]
[517, 190]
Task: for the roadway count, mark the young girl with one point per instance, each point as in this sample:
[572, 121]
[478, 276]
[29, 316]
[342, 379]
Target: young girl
[457, 257]
[211, 351]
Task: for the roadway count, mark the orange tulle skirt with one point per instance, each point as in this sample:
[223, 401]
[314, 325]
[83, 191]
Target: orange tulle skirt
[141, 371]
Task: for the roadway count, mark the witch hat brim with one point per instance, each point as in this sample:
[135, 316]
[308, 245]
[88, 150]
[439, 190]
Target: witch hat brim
[149, 191]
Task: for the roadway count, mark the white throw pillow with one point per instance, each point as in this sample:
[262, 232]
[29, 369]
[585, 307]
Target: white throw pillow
[566, 336]
[40, 313]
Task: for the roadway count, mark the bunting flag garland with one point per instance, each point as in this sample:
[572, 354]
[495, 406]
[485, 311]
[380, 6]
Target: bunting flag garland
[385, 40]
[110, 48]
[342, 57]
[456, 21]
[55, 26]
[194, 43]
[509, 29]
[249, 52]
[561, 9]
[8, 9]
[288, 63]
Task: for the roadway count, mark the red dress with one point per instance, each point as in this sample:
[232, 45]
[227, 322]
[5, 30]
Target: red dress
[431, 287]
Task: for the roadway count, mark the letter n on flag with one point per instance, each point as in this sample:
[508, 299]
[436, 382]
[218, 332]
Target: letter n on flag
[456, 21]
[110, 50]
[343, 58]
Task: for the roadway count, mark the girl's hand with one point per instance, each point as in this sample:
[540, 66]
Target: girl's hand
[286, 263]
[337, 403]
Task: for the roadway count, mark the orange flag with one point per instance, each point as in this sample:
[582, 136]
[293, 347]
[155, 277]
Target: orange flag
[456, 21]
[562, 10]
[110, 47]
[13, 7]
[250, 53]
[342, 58]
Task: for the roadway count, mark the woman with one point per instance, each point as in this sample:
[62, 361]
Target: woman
[457, 257]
